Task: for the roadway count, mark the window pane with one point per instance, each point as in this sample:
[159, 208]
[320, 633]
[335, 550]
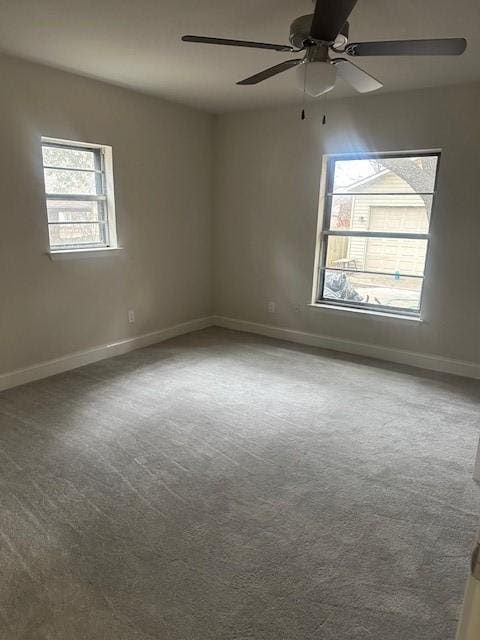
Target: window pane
[390, 174]
[408, 213]
[72, 182]
[74, 210]
[373, 289]
[68, 158]
[75, 234]
[387, 255]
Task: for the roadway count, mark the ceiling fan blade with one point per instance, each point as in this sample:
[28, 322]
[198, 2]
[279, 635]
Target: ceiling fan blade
[329, 17]
[438, 47]
[359, 79]
[270, 72]
[238, 43]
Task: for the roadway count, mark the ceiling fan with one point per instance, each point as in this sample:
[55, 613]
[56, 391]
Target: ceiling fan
[326, 31]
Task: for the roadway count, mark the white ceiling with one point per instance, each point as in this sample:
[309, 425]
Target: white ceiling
[136, 43]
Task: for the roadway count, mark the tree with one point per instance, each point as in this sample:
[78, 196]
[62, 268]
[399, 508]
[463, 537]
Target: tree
[69, 180]
[419, 173]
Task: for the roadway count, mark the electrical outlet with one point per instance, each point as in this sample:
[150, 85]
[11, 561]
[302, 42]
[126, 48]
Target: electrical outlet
[296, 308]
[131, 316]
[271, 307]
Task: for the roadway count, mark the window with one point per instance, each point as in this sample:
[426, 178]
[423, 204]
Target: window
[375, 236]
[79, 192]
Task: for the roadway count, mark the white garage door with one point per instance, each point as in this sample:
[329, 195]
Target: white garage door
[392, 255]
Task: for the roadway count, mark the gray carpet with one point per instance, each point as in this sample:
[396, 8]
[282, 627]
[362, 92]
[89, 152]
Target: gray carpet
[226, 486]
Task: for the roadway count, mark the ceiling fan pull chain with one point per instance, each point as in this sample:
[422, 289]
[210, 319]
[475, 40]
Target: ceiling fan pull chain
[324, 119]
[304, 92]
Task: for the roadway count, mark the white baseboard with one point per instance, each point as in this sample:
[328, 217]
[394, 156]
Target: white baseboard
[412, 358]
[81, 358]
[476, 472]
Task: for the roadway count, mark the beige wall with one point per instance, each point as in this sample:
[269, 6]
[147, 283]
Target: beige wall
[266, 177]
[267, 174]
[162, 167]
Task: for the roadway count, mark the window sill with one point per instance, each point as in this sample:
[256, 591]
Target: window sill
[72, 254]
[367, 312]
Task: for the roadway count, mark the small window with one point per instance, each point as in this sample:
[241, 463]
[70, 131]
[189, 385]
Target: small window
[79, 193]
[376, 231]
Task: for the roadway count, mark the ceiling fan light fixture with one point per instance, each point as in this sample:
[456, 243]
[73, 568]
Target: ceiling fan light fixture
[317, 77]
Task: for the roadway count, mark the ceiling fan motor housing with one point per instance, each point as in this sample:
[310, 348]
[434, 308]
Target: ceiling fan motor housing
[300, 33]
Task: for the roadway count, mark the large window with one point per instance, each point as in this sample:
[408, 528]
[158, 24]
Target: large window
[79, 194]
[375, 236]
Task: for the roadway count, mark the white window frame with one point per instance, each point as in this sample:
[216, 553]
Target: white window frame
[106, 196]
[324, 231]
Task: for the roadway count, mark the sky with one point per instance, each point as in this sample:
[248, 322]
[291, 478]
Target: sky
[347, 172]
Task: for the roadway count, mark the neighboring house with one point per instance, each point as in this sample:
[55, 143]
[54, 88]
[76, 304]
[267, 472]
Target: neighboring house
[383, 212]
[69, 234]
